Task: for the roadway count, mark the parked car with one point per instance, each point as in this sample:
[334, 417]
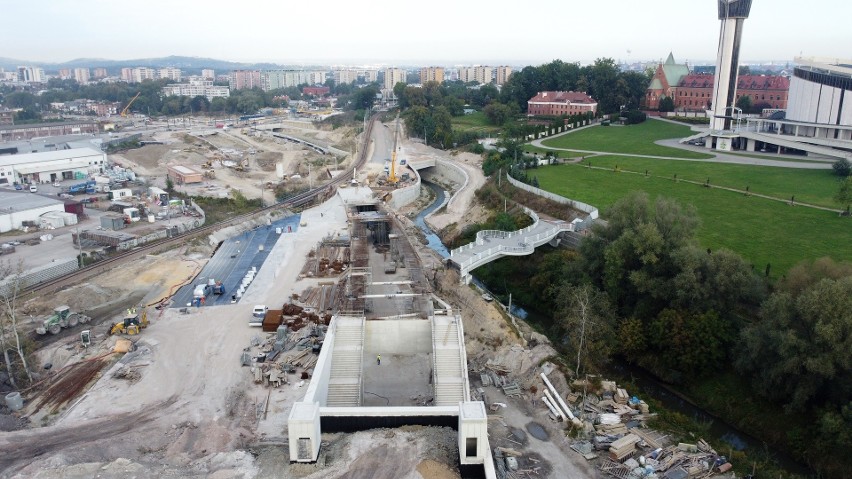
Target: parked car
[257, 315]
[33, 188]
[19, 186]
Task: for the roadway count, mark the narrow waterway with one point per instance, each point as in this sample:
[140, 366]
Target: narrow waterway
[736, 439]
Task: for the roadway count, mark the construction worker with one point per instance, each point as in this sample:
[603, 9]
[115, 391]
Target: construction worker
[379, 360]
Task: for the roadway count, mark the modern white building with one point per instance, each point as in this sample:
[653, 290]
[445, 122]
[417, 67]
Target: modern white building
[138, 75]
[50, 166]
[197, 87]
[29, 74]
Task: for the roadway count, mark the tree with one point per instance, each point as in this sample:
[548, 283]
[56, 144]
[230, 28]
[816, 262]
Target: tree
[666, 104]
[800, 351]
[744, 103]
[842, 167]
[586, 317]
[11, 284]
[844, 192]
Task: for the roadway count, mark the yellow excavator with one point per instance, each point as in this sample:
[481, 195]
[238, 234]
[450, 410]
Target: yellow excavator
[133, 323]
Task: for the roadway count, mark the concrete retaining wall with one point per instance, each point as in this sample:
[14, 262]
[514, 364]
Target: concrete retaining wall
[444, 172]
[577, 205]
[405, 196]
[318, 387]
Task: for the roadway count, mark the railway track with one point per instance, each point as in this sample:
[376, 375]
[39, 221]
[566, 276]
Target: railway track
[301, 199]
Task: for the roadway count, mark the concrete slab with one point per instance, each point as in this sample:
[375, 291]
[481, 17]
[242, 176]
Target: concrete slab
[399, 378]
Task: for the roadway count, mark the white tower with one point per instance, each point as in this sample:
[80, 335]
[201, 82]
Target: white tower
[732, 13]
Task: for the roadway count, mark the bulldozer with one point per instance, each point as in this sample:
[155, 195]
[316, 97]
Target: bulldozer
[62, 317]
[132, 323]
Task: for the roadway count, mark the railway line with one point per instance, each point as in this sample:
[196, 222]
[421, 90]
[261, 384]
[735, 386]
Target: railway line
[301, 199]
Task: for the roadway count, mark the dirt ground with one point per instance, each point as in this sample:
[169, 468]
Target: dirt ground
[180, 405]
[262, 152]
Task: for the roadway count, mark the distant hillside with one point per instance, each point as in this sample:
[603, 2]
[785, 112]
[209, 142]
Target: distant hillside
[188, 64]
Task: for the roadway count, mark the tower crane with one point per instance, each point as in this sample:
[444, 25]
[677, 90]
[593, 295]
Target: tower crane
[392, 179]
[124, 111]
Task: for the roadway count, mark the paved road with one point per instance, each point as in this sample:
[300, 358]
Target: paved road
[771, 160]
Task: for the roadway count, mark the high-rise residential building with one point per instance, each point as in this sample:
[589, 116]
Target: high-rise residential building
[170, 73]
[479, 74]
[244, 79]
[138, 75]
[502, 75]
[393, 76]
[127, 75]
[432, 74]
[29, 74]
[275, 79]
[344, 77]
[81, 75]
[208, 74]
[65, 74]
[100, 73]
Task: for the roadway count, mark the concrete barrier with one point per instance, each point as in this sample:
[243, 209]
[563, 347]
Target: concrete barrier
[577, 205]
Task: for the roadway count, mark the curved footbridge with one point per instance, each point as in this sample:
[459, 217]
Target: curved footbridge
[491, 244]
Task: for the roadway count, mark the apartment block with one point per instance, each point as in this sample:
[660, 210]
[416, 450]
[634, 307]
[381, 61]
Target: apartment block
[81, 75]
[170, 73]
[100, 73]
[351, 75]
[275, 79]
[208, 74]
[65, 74]
[29, 74]
[393, 76]
[244, 79]
[502, 75]
[197, 86]
[432, 74]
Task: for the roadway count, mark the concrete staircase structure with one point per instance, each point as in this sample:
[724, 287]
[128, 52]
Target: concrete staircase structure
[344, 384]
[449, 361]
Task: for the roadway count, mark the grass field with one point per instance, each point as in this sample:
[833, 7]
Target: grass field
[762, 231]
[636, 139]
[808, 186]
[474, 122]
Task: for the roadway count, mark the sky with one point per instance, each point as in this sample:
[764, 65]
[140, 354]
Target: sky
[405, 32]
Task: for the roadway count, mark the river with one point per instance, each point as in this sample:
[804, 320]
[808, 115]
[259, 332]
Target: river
[736, 439]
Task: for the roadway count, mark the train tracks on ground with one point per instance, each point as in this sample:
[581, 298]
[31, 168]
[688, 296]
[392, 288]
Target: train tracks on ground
[301, 199]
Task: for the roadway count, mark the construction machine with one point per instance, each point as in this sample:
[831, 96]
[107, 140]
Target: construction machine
[62, 317]
[392, 179]
[132, 323]
[126, 108]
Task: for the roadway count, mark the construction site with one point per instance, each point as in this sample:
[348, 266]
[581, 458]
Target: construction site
[334, 342]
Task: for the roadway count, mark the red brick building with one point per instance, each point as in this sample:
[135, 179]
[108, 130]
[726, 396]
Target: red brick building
[694, 92]
[558, 103]
[315, 90]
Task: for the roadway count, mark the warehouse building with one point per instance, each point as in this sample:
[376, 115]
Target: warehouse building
[51, 166]
[18, 209]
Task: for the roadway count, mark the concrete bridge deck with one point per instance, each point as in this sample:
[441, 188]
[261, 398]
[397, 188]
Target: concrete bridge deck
[491, 245]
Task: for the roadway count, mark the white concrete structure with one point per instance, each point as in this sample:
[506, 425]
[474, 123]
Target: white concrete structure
[492, 244]
[29, 74]
[50, 166]
[170, 73]
[17, 207]
[81, 75]
[732, 14]
[197, 87]
[473, 433]
[274, 79]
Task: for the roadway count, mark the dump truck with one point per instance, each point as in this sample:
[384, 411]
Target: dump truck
[62, 317]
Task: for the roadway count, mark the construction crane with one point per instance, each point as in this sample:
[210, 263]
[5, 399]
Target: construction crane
[392, 179]
[124, 111]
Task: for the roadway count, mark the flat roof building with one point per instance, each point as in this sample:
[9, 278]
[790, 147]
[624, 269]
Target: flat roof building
[38, 130]
[51, 166]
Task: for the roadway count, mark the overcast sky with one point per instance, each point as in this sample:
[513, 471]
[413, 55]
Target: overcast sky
[442, 32]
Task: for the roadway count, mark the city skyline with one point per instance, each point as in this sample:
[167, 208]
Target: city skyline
[351, 33]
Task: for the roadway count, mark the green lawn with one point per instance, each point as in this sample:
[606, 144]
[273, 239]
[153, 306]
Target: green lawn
[636, 139]
[808, 186]
[762, 231]
[474, 122]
